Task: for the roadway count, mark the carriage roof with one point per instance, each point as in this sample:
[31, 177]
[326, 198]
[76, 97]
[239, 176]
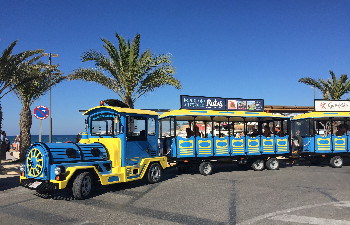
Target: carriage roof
[121, 110]
[321, 115]
[207, 115]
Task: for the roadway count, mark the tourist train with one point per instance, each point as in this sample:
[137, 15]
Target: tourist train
[122, 144]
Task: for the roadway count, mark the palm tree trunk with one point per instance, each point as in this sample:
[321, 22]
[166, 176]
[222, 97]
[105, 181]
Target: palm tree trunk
[25, 123]
[129, 102]
[0, 118]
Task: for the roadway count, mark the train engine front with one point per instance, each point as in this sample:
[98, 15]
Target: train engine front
[54, 166]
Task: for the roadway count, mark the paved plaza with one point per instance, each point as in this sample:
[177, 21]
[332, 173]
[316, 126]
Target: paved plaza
[292, 195]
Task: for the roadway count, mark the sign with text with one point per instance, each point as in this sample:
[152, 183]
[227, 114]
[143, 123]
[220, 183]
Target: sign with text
[332, 106]
[229, 104]
[205, 103]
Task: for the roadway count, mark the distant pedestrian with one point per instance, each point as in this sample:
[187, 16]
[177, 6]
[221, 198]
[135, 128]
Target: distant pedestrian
[2, 148]
[8, 144]
[78, 138]
[17, 142]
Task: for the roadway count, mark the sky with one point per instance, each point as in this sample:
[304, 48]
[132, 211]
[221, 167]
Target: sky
[226, 48]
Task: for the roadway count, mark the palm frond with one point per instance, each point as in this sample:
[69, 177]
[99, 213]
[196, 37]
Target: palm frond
[127, 72]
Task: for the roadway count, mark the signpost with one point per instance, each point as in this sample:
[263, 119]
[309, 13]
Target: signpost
[41, 113]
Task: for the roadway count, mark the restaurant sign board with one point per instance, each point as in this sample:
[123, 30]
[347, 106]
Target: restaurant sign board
[225, 104]
[332, 106]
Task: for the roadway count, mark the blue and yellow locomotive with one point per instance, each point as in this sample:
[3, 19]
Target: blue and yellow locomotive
[120, 145]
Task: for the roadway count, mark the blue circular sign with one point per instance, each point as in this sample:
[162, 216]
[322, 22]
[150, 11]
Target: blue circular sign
[41, 112]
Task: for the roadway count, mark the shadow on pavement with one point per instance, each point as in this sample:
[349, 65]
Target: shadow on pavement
[168, 174]
[9, 182]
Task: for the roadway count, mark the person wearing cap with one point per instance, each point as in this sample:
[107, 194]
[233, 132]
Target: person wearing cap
[278, 131]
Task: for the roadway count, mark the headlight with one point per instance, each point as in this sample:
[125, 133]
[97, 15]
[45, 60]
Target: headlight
[59, 170]
[22, 167]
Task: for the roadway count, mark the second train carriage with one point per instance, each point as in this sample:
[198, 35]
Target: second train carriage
[200, 136]
[322, 136]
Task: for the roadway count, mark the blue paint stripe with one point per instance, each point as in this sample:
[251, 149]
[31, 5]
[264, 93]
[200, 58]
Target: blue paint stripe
[227, 112]
[137, 175]
[199, 111]
[112, 179]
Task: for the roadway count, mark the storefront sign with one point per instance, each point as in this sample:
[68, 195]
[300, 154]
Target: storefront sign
[332, 106]
[210, 103]
[205, 103]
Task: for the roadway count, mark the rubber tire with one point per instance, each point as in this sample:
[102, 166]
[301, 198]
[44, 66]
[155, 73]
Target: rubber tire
[258, 165]
[154, 173]
[205, 168]
[78, 189]
[270, 164]
[334, 162]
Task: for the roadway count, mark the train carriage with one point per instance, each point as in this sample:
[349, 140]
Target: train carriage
[201, 136]
[322, 136]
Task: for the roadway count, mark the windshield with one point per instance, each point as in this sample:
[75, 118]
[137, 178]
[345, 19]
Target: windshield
[105, 125]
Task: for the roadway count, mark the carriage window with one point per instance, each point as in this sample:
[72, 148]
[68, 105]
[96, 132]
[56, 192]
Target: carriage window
[103, 125]
[181, 127]
[301, 128]
[151, 126]
[117, 125]
[167, 127]
[136, 128]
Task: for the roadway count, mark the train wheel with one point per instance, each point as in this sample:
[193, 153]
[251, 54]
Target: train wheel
[154, 173]
[82, 185]
[205, 168]
[336, 162]
[258, 165]
[272, 164]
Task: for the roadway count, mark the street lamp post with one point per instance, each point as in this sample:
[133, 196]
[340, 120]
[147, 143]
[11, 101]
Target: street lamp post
[50, 110]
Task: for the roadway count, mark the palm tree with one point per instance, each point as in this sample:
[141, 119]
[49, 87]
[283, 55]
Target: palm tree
[9, 67]
[131, 74]
[332, 89]
[46, 76]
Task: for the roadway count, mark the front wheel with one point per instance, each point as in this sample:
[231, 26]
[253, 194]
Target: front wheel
[154, 173]
[272, 164]
[336, 162]
[82, 185]
[205, 168]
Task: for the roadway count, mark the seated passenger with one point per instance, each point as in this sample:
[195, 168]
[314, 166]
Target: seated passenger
[267, 132]
[196, 131]
[254, 133]
[242, 134]
[143, 133]
[344, 129]
[339, 131]
[278, 131]
[189, 132]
